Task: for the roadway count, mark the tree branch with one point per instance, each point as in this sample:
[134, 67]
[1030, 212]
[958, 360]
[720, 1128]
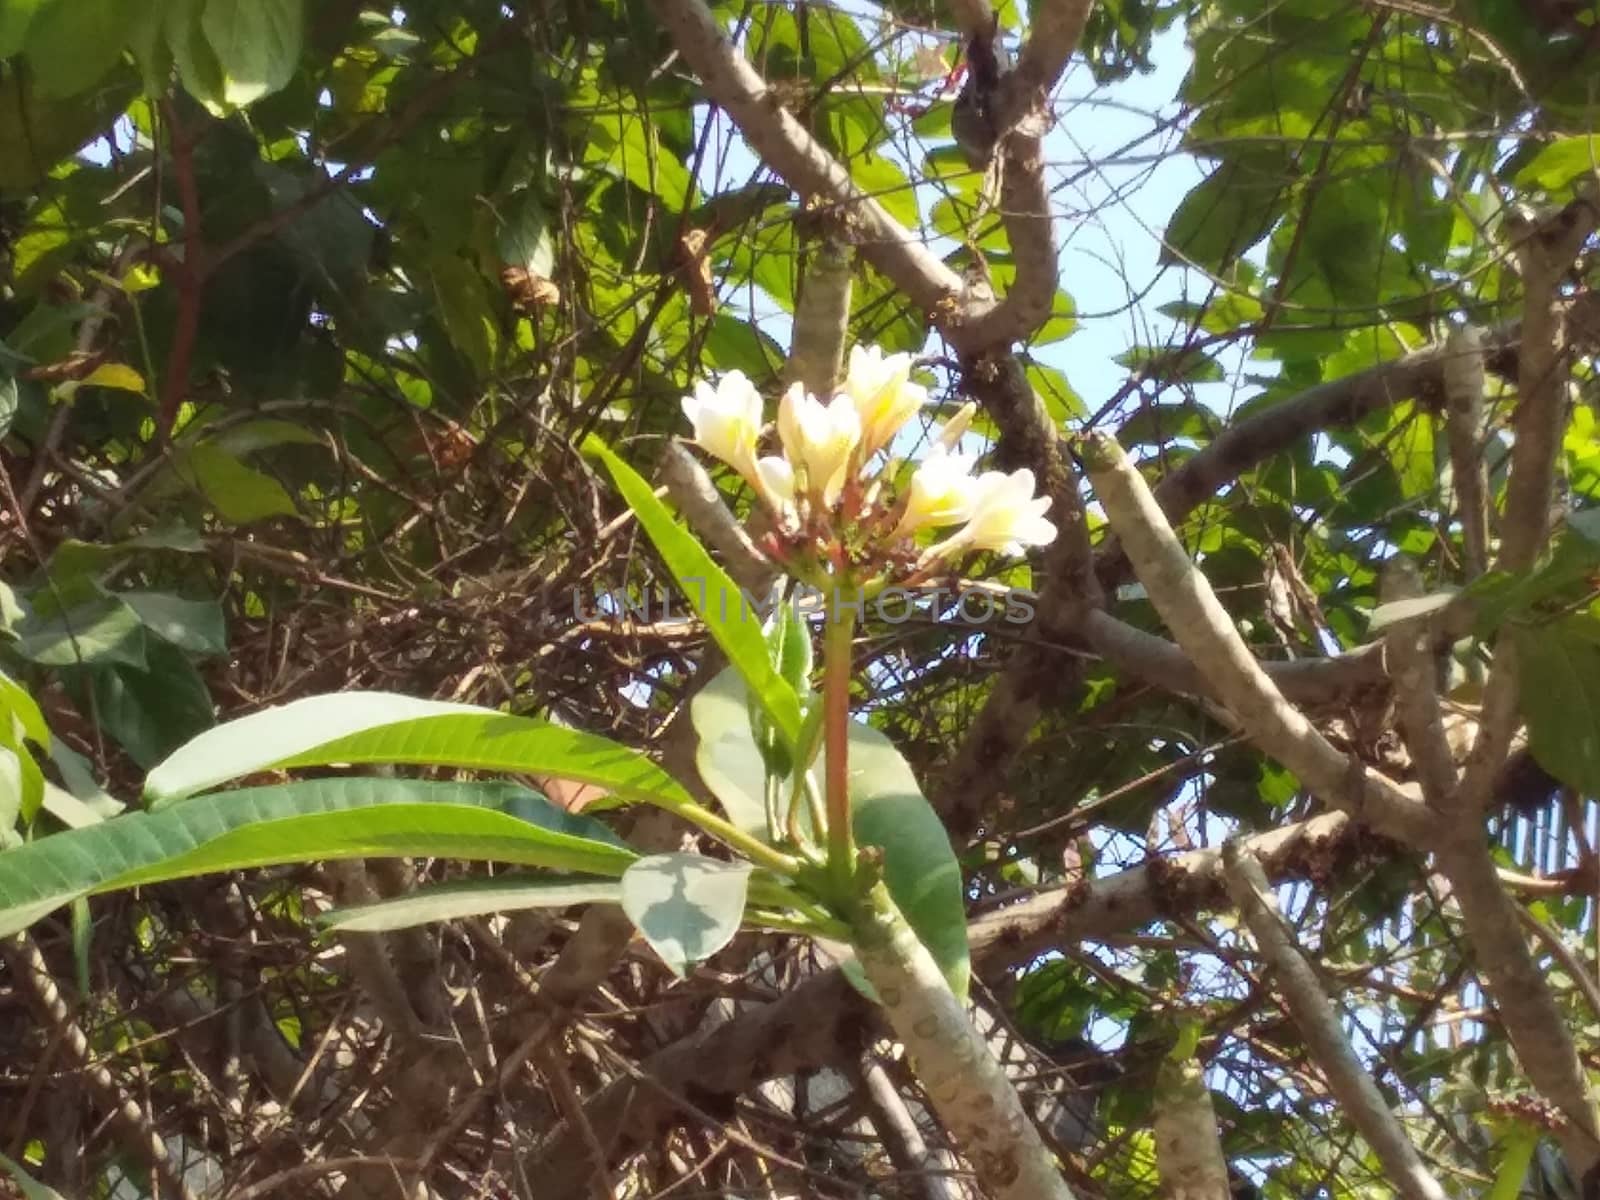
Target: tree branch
[1183, 597]
[27, 967]
[1411, 666]
[1522, 996]
[1317, 1020]
[1546, 252]
[1337, 404]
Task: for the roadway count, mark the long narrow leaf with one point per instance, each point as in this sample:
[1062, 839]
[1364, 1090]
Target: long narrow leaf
[303, 822]
[448, 736]
[473, 898]
[261, 740]
[715, 597]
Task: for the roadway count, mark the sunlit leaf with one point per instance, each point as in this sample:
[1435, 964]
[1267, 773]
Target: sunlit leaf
[687, 906]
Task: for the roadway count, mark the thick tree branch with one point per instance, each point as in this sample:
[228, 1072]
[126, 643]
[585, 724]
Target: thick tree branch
[1309, 682]
[1463, 373]
[1522, 996]
[1029, 438]
[786, 146]
[1337, 404]
[1412, 667]
[1546, 252]
[1206, 633]
[973, 326]
[1054, 32]
[1320, 1024]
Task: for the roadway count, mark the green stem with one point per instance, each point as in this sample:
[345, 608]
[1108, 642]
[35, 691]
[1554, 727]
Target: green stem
[836, 669]
[735, 838]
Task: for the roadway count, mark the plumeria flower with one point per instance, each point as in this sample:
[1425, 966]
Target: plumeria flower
[883, 394]
[819, 439]
[942, 493]
[727, 420]
[1006, 517]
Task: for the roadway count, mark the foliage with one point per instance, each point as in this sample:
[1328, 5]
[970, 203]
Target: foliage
[308, 316]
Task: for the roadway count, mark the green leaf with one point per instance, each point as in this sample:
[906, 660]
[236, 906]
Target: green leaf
[1061, 399]
[687, 906]
[1397, 611]
[381, 727]
[14, 19]
[19, 706]
[193, 625]
[726, 755]
[790, 640]
[35, 131]
[525, 238]
[472, 898]
[735, 345]
[920, 867]
[102, 630]
[152, 711]
[1222, 217]
[1559, 670]
[116, 376]
[1561, 162]
[713, 595]
[72, 44]
[240, 494]
[30, 1187]
[1170, 364]
[9, 399]
[301, 822]
[257, 44]
[463, 305]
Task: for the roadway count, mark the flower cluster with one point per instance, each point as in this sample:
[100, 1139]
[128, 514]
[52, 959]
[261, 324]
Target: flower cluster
[829, 490]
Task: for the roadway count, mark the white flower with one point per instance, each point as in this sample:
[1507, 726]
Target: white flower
[942, 493]
[727, 420]
[775, 481]
[1006, 517]
[819, 439]
[884, 397]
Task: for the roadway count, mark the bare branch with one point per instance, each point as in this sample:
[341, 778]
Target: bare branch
[897, 1129]
[1312, 682]
[1319, 1023]
[1054, 32]
[701, 504]
[1337, 404]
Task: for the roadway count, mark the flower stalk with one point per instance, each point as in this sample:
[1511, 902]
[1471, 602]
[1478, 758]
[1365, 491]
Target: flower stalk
[838, 640]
